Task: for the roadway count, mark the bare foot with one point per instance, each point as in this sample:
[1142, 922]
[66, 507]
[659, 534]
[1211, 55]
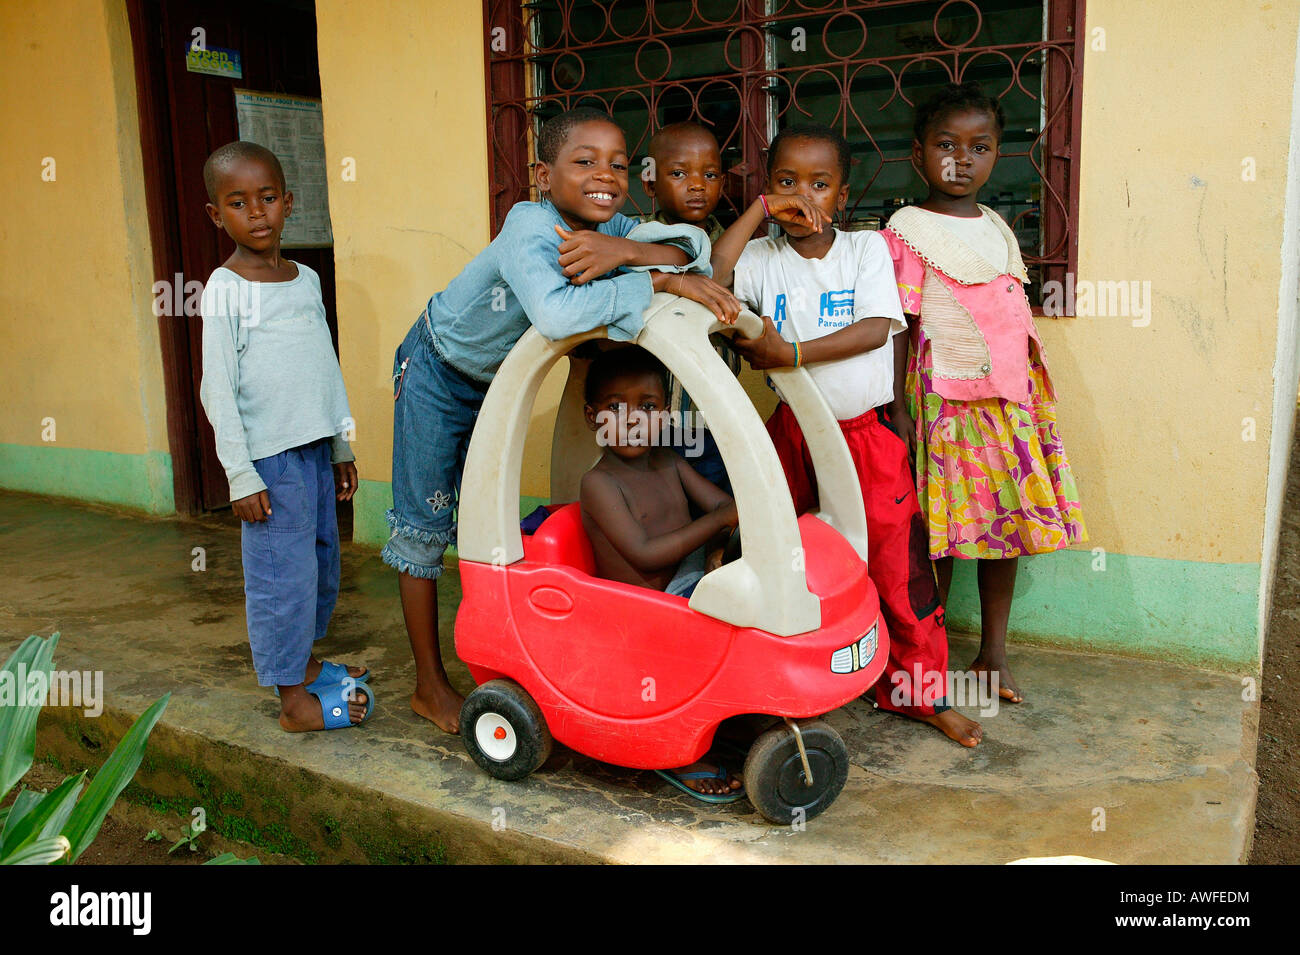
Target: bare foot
[300, 711]
[715, 786]
[1007, 688]
[955, 726]
[314, 665]
[440, 705]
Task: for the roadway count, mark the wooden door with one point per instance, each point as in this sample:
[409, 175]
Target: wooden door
[190, 115]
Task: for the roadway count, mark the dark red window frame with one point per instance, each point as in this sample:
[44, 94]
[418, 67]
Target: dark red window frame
[511, 109]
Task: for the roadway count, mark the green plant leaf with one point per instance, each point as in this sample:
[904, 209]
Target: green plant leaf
[46, 819]
[83, 825]
[59, 818]
[24, 802]
[17, 719]
[40, 852]
[229, 858]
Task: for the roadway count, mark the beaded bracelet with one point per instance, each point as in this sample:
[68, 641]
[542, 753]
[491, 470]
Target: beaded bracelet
[766, 211]
[798, 354]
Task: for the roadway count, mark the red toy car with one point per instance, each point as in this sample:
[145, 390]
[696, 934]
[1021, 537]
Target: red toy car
[636, 677]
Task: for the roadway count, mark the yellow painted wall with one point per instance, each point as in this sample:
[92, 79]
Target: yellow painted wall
[402, 90]
[76, 273]
[1153, 417]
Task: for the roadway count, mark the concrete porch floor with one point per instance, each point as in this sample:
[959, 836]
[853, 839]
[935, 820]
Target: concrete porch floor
[1165, 751]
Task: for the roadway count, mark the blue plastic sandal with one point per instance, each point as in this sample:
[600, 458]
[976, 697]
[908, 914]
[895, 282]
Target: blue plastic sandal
[330, 673]
[334, 705]
[719, 773]
[333, 673]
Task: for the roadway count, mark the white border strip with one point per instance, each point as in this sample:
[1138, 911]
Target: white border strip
[1286, 366]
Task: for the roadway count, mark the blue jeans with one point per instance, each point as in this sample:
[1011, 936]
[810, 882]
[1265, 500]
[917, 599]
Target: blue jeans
[689, 573]
[434, 410]
[291, 563]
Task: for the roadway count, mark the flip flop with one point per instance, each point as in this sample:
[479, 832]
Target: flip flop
[334, 706]
[719, 773]
[331, 673]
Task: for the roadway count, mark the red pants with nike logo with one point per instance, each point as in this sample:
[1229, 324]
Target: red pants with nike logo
[915, 680]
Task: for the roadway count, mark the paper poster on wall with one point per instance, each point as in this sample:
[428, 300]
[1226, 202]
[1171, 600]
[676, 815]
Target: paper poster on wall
[292, 128]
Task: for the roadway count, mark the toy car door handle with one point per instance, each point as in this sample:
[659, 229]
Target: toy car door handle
[551, 601]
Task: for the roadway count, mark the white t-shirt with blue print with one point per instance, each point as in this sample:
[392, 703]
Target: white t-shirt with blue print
[809, 298]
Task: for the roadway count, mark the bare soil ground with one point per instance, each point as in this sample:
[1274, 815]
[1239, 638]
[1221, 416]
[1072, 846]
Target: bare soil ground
[1277, 813]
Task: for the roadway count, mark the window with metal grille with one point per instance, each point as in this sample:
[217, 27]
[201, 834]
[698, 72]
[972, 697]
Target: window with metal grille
[746, 68]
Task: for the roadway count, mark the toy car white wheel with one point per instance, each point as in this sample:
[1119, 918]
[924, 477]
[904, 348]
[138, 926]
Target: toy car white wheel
[495, 737]
[504, 730]
[774, 775]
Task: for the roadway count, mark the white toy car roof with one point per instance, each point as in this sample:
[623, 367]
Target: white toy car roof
[766, 587]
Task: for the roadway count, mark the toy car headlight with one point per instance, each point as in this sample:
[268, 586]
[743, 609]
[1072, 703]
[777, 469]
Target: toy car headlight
[857, 654]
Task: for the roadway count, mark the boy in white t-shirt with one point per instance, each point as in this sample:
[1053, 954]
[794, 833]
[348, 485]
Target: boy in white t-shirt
[829, 300]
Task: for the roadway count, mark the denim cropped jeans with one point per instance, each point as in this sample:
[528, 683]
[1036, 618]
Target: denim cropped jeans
[291, 563]
[434, 410]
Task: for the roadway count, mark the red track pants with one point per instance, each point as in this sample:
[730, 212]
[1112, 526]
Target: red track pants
[915, 680]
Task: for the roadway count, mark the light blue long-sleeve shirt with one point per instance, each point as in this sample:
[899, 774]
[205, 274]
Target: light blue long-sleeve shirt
[271, 380]
[517, 280]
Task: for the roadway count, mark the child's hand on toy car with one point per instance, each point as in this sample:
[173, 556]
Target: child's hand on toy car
[768, 351]
[700, 288]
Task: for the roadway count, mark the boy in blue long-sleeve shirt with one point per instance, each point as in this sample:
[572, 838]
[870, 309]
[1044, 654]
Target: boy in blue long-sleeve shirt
[551, 266]
[273, 390]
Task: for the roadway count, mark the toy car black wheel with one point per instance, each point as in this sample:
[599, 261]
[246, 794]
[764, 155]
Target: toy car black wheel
[775, 778]
[504, 730]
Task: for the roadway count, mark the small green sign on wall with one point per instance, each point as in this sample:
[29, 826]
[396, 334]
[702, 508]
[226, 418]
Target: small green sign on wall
[214, 61]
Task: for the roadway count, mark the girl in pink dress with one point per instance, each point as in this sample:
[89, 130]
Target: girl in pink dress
[972, 390]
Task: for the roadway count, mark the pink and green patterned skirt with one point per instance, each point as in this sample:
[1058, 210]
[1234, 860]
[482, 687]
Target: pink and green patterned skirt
[991, 475]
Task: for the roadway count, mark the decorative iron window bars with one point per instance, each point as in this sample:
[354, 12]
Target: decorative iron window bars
[746, 68]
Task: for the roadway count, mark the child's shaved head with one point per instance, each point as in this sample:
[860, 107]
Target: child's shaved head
[228, 155]
[555, 131]
[684, 173]
[620, 362]
[676, 133]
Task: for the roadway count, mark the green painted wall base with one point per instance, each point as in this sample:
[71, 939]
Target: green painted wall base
[1186, 611]
[369, 504]
[142, 481]
[374, 498]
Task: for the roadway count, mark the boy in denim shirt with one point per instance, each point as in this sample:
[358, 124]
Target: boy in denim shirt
[273, 390]
[553, 266]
